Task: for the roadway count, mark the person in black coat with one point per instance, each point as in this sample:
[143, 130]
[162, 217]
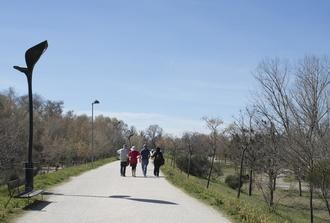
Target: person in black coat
[158, 161]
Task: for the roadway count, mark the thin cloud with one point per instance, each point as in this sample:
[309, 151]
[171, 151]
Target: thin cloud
[171, 124]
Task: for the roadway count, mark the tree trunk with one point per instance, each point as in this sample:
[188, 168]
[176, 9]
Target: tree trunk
[173, 158]
[274, 185]
[189, 162]
[240, 173]
[210, 173]
[271, 189]
[311, 203]
[299, 182]
[250, 182]
[327, 204]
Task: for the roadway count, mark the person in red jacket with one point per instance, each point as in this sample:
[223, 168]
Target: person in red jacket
[133, 159]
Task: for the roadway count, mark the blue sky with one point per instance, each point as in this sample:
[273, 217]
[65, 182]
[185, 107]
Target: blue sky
[156, 62]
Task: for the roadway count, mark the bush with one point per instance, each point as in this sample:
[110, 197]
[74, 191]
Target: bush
[199, 165]
[217, 170]
[233, 181]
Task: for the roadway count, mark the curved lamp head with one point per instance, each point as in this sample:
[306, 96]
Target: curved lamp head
[96, 102]
[32, 56]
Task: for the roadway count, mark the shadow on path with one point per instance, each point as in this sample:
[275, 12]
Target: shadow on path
[143, 199]
[155, 201]
[147, 177]
[37, 205]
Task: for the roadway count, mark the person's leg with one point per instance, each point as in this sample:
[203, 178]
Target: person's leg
[124, 168]
[157, 170]
[144, 167]
[121, 168]
[134, 170]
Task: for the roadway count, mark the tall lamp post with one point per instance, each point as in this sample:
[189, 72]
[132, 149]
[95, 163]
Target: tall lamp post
[32, 55]
[93, 103]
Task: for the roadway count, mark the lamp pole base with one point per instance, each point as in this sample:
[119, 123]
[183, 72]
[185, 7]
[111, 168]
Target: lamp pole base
[28, 177]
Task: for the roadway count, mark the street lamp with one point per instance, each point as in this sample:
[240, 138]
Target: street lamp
[32, 55]
[94, 102]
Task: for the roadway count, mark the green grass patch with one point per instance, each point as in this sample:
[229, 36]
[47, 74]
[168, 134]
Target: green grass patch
[247, 209]
[44, 181]
[289, 179]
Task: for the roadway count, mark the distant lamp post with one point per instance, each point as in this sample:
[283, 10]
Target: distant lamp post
[94, 102]
[32, 56]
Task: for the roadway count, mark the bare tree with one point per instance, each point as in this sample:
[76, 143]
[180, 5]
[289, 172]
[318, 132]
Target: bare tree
[245, 138]
[297, 111]
[187, 138]
[173, 144]
[153, 133]
[129, 134]
[213, 125]
[270, 161]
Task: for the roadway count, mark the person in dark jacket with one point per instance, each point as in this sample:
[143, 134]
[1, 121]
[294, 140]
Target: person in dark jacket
[144, 155]
[158, 161]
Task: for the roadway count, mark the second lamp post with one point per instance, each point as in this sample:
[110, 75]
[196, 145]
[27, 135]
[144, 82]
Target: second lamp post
[94, 102]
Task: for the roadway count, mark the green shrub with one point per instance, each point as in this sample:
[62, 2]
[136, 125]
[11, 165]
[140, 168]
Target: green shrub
[217, 170]
[233, 181]
[199, 165]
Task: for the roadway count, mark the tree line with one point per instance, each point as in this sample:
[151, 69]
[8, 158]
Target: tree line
[60, 139]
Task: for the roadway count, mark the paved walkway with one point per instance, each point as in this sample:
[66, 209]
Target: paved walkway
[102, 196]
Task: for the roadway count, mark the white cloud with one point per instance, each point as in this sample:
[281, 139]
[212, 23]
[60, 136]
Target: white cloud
[170, 124]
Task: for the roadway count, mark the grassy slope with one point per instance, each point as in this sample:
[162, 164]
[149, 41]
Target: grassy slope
[247, 209]
[42, 181]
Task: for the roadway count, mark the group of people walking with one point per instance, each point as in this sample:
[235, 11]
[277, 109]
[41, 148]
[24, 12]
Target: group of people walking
[132, 157]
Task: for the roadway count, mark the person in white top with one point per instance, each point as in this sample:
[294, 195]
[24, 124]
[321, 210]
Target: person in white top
[123, 156]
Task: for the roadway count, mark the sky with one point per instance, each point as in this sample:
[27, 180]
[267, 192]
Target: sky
[154, 61]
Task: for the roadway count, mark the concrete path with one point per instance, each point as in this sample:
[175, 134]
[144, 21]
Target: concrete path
[102, 196]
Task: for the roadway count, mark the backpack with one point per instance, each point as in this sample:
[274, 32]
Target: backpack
[160, 159]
